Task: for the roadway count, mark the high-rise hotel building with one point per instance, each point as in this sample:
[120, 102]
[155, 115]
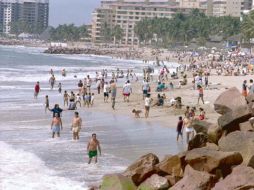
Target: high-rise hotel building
[126, 13]
[33, 13]
[231, 7]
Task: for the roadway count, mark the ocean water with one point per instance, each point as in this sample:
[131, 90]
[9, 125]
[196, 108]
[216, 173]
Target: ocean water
[30, 159]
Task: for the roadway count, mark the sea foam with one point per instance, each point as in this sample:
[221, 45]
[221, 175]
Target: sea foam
[25, 171]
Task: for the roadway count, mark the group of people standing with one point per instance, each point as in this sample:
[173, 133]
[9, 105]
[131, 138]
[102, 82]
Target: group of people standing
[186, 122]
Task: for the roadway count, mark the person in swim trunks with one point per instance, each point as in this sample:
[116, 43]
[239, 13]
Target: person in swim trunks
[92, 147]
[56, 125]
[76, 126]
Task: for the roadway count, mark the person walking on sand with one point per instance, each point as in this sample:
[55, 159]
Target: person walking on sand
[37, 89]
[76, 126]
[106, 92]
[113, 93]
[145, 88]
[93, 147]
[56, 125]
[148, 103]
[179, 128]
[127, 90]
[200, 94]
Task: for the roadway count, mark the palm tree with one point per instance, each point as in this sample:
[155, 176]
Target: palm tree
[106, 32]
[117, 33]
[247, 26]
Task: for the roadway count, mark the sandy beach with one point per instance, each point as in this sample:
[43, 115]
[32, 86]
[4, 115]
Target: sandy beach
[166, 115]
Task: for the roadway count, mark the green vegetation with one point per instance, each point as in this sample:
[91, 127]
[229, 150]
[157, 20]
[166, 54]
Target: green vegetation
[106, 32]
[186, 28]
[23, 27]
[68, 33]
[248, 26]
[117, 33]
[110, 34]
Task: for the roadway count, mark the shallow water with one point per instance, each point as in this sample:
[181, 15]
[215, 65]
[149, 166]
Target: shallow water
[30, 159]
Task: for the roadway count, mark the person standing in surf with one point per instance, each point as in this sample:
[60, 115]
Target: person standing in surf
[46, 103]
[52, 80]
[36, 90]
[56, 125]
[93, 147]
[76, 126]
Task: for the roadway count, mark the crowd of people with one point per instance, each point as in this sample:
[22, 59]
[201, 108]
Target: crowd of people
[106, 84]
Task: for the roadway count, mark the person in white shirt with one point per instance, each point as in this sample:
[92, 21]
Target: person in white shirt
[127, 90]
[148, 102]
[78, 99]
[106, 91]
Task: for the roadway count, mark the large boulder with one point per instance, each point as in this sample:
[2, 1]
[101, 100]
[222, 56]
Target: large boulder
[155, 182]
[250, 102]
[200, 126]
[210, 160]
[246, 126]
[194, 180]
[241, 178]
[117, 182]
[142, 169]
[212, 146]
[239, 141]
[212, 130]
[198, 141]
[171, 165]
[233, 108]
[172, 180]
[214, 133]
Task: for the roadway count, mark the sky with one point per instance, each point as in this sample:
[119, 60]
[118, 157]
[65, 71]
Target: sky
[71, 11]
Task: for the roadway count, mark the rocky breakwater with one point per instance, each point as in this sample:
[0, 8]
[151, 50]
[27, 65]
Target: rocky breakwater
[219, 157]
[113, 52]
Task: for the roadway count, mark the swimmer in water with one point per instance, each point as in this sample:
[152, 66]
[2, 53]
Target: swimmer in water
[76, 126]
[93, 147]
[56, 125]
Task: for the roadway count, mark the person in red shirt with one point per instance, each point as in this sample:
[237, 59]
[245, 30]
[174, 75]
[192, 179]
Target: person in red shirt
[36, 90]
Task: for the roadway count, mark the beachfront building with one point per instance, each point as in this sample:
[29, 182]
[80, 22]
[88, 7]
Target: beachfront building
[233, 8]
[30, 14]
[126, 13]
